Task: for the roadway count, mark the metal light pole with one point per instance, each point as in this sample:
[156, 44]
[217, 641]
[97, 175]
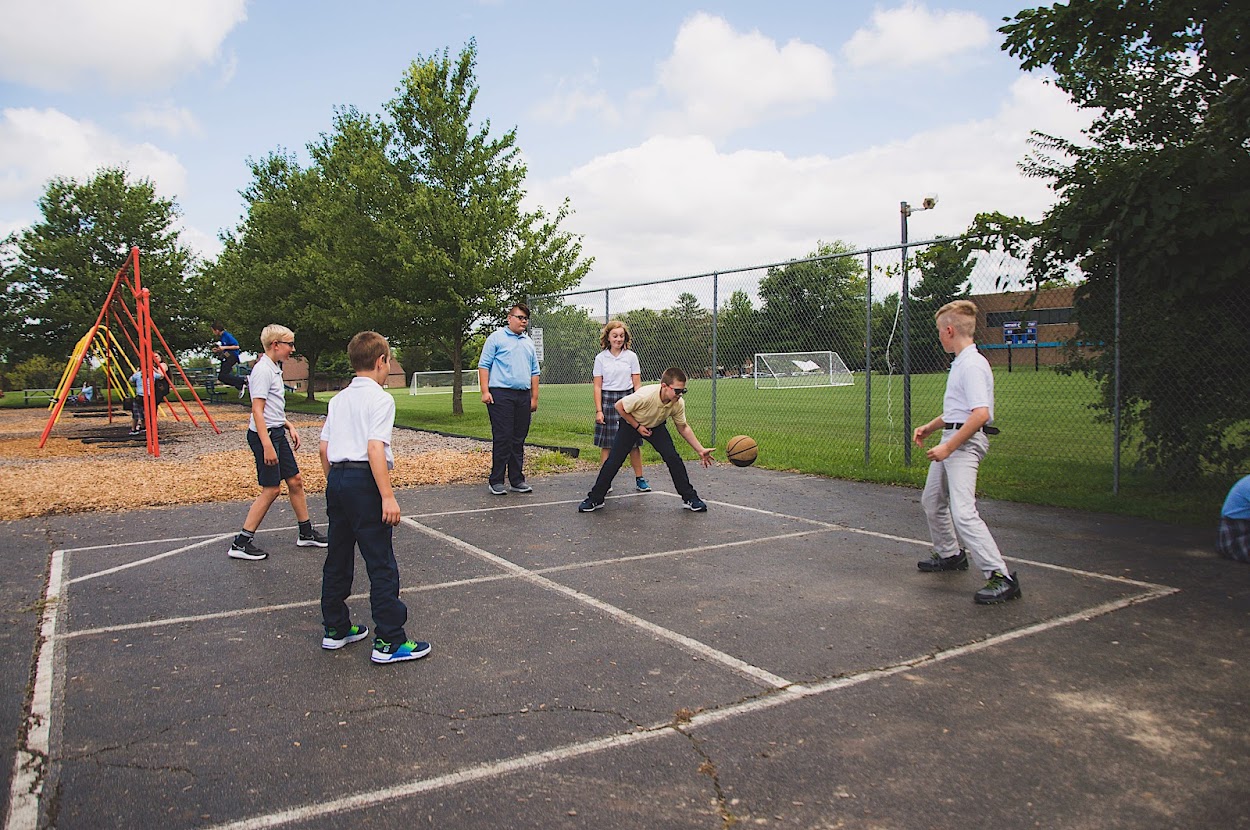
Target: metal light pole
[905, 210]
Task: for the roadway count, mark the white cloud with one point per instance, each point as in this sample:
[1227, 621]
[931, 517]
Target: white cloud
[174, 121]
[126, 44]
[677, 206]
[911, 35]
[39, 145]
[719, 80]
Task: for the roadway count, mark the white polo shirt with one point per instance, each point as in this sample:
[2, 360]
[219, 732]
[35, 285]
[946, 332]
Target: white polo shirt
[361, 413]
[970, 386]
[617, 370]
[265, 381]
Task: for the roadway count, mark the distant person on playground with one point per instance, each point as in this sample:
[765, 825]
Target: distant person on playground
[356, 459]
[136, 406]
[227, 348]
[616, 375]
[643, 414]
[950, 492]
[275, 457]
[1234, 538]
[508, 374]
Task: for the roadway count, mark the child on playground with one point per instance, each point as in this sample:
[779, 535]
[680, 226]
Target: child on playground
[950, 497]
[643, 414]
[136, 406]
[227, 348]
[356, 458]
[617, 374]
[267, 431]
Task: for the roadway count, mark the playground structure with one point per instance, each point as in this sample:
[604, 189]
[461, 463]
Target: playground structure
[137, 330]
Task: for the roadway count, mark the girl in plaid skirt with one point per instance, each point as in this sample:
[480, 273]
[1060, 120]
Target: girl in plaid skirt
[617, 374]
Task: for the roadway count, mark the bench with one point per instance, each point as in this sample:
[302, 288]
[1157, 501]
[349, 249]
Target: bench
[216, 393]
[36, 394]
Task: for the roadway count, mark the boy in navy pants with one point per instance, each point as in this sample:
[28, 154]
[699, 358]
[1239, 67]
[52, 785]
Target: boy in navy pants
[356, 459]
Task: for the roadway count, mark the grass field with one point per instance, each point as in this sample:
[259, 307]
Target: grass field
[1052, 449]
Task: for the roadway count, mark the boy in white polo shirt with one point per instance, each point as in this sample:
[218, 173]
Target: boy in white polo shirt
[267, 432]
[356, 458]
[950, 492]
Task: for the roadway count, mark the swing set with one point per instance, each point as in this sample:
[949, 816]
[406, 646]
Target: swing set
[102, 344]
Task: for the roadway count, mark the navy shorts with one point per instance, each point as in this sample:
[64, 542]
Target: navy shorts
[286, 467]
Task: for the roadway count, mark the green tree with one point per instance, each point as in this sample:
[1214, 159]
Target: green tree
[815, 304]
[691, 346]
[736, 334]
[61, 268]
[467, 250]
[945, 269]
[570, 341]
[1157, 193]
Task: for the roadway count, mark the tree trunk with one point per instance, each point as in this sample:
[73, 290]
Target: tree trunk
[457, 382]
[312, 375]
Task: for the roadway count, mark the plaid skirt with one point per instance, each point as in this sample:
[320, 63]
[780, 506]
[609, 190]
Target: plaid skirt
[605, 433]
[1234, 539]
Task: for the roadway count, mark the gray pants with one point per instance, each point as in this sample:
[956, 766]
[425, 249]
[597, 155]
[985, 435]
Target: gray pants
[950, 505]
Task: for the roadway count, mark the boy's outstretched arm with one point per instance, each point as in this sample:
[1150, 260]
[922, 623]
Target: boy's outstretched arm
[705, 455]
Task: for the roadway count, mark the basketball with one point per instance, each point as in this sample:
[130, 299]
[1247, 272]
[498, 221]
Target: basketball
[741, 450]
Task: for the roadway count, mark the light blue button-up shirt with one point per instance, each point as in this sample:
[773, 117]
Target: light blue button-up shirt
[510, 358]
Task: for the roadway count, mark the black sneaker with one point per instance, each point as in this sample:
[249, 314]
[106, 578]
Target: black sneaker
[936, 562]
[315, 539]
[998, 588]
[696, 504]
[588, 505]
[247, 550]
[335, 639]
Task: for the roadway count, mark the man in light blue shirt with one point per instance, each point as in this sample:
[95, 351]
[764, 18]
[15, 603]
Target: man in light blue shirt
[1234, 537]
[508, 374]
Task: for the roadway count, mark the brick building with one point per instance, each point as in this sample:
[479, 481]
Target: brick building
[1024, 327]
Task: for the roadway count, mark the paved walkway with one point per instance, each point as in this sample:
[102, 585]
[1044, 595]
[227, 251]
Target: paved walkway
[778, 661]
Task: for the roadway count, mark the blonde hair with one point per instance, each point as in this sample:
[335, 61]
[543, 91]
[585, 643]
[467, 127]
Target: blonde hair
[612, 326]
[273, 333]
[961, 314]
[364, 350]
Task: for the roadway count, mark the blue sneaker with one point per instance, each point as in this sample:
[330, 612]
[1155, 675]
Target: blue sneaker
[642, 485]
[589, 505]
[384, 652]
[337, 639]
[696, 504]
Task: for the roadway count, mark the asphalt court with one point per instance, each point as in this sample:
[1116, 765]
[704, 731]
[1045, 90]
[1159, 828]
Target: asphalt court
[777, 660]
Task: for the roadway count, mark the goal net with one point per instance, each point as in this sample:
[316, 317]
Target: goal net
[796, 370]
[426, 383]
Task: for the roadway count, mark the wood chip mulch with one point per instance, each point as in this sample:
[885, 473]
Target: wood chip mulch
[113, 472]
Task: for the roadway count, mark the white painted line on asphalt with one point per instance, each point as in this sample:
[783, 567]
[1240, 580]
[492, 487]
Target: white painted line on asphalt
[31, 765]
[766, 700]
[689, 644]
[519, 506]
[437, 586]
[150, 559]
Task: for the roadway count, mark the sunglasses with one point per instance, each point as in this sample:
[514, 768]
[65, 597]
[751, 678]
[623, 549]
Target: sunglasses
[678, 392]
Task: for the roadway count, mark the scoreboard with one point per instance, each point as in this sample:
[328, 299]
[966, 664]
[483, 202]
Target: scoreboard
[1020, 332]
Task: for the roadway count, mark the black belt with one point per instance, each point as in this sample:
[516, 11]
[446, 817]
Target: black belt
[349, 465]
[987, 430]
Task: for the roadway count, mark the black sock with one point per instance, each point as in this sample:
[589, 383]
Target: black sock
[305, 528]
[244, 537]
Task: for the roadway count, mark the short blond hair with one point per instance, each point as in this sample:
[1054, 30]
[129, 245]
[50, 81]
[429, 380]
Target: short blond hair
[273, 333]
[961, 314]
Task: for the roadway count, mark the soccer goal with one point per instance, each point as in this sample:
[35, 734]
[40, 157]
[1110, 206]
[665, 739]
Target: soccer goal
[796, 370]
[426, 383]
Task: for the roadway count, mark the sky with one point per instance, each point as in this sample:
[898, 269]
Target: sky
[688, 138]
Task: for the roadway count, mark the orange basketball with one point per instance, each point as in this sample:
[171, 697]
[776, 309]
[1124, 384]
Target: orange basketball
[741, 450]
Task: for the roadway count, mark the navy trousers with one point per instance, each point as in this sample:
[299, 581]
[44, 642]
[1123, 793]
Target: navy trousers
[354, 506]
[509, 425]
[226, 373]
[626, 439]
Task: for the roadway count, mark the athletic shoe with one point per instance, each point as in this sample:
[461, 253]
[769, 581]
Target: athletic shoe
[247, 550]
[384, 652]
[588, 505]
[936, 562]
[316, 539]
[333, 639]
[642, 485]
[696, 504]
[135, 432]
[521, 488]
[242, 392]
[998, 588]
[496, 490]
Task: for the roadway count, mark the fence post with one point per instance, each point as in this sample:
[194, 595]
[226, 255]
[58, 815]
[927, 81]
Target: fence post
[1115, 453]
[1009, 350]
[715, 286]
[607, 308]
[903, 209]
[868, 367]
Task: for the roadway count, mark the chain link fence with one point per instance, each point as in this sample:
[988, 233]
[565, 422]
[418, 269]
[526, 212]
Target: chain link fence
[757, 343]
